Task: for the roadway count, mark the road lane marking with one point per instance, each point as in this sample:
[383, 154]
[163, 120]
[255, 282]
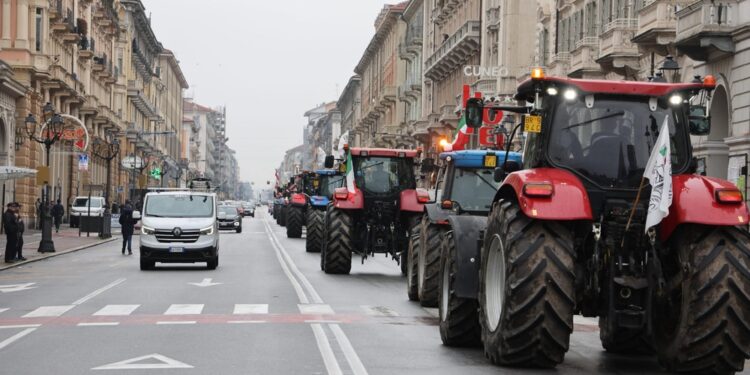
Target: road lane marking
[244, 309]
[351, 356]
[318, 321]
[379, 311]
[315, 309]
[21, 326]
[206, 282]
[116, 310]
[131, 364]
[295, 284]
[49, 311]
[167, 322]
[329, 360]
[293, 267]
[97, 324]
[16, 287]
[16, 337]
[4, 310]
[184, 309]
[99, 291]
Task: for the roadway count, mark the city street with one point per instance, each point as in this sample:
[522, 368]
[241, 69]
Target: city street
[267, 309]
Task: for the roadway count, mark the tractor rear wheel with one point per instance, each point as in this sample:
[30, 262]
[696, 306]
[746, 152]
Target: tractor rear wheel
[702, 324]
[337, 256]
[314, 237]
[294, 221]
[459, 319]
[282, 215]
[411, 266]
[526, 289]
[428, 264]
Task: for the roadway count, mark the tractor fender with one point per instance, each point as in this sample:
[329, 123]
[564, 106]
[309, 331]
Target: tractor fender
[353, 201]
[408, 201]
[694, 201]
[569, 200]
[437, 214]
[319, 201]
[298, 200]
[466, 234]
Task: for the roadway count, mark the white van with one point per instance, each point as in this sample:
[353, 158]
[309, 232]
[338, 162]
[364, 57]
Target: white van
[81, 207]
[179, 226]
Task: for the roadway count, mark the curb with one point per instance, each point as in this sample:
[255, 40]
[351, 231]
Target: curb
[57, 253]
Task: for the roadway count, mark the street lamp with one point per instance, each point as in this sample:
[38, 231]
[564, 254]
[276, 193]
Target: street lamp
[106, 151]
[53, 127]
[669, 68]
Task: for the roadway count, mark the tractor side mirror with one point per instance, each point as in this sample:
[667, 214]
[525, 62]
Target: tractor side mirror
[474, 112]
[328, 163]
[700, 121]
[428, 165]
[510, 166]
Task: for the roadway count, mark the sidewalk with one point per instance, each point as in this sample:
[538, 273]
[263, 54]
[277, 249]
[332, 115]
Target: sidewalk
[66, 241]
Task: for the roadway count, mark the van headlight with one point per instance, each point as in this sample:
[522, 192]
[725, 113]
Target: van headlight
[208, 231]
[146, 230]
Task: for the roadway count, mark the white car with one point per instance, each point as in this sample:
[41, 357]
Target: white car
[179, 226]
[83, 207]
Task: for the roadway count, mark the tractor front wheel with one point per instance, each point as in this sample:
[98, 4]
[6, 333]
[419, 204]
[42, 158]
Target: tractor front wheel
[702, 324]
[410, 260]
[282, 215]
[459, 320]
[294, 221]
[314, 238]
[526, 289]
[337, 256]
[428, 264]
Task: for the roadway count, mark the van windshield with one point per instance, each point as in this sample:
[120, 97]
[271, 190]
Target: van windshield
[179, 206]
[81, 202]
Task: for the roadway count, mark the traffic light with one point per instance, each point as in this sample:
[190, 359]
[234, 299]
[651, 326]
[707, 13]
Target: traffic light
[156, 173]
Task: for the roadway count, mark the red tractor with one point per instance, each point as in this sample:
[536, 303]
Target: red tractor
[567, 234]
[375, 215]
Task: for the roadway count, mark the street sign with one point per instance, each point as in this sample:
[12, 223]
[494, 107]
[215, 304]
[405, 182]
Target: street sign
[83, 162]
[132, 162]
[156, 173]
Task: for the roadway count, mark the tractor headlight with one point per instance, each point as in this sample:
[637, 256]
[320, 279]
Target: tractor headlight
[570, 95]
[146, 230]
[675, 100]
[208, 231]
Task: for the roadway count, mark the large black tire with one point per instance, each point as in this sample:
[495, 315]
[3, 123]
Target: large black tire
[213, 263]
[411, 266]
[428, 265]
[315, 223]
[526, 289]
[702, 325]
[337, 257]
[282, 215]
[295, 217]
[459, 317]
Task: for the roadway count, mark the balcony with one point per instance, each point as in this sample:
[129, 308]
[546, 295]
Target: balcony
[454, 52]
[135, 93]
[487, 86]
[616, 51]
[656, 24]
[583, 57]
[493, 19]
[704, 29]
[409, 93]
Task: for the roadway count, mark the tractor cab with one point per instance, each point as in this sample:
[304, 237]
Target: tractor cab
[326, 181]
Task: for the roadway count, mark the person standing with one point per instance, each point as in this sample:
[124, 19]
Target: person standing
[10, 224]
[128, 227]
[21, 229]
[58, 211]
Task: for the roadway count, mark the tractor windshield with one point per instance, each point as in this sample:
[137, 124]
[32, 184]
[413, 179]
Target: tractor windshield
[610, 143]
[327, 184]
[473, 189]
[384, 175]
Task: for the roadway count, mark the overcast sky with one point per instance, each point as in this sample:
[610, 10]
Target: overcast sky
[267, 61]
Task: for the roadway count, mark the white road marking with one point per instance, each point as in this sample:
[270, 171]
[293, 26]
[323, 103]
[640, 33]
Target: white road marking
[21, 326]
[4, 310]
[183, 309]
[206, 282]
[131, 364]
[16, 337]
[98, 324]
[329, 360]
[295, 284]
[167, 322]
[99, 291]
[351, 356]
[315, 309]
[293, 267]
[16, 287]
[49, 311]
[318, 321]
[116, 310]
[245, 321]
[242, 309]
[378, 311]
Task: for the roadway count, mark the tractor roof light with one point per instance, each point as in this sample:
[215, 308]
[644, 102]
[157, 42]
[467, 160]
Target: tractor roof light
[538, 189]
[709, 81]
[570, 95]
[537, 73]
[729, 196]
[552, 91]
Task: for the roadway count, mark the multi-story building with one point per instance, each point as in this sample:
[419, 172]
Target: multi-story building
[291, 164]
[349, 105]
[410, 89]
[202, 133]
[382, 70]
[451, 41]
[314, 134]
[170, 86]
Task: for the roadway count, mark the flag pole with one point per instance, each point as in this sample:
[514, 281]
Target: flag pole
[632, 210]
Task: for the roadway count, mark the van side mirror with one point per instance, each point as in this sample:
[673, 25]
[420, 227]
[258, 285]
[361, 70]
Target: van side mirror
[500, 172]
[328, 163]
[700, 121]
[474, 112]
[427, 166]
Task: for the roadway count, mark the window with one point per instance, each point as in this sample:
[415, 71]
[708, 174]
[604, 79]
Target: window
[473, 188]
[38, 29]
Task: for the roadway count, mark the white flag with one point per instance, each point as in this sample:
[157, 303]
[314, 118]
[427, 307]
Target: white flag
[659, 174]
[340, 147]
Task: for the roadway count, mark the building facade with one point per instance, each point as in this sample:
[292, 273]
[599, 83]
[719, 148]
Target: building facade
[349, 104]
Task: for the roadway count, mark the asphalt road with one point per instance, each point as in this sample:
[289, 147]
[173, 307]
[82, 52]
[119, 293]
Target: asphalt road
[267, 309]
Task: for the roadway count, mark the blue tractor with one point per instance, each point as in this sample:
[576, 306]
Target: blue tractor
[462, 200]
[327, 181]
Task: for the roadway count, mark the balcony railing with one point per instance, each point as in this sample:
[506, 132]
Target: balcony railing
[706, 26]
[454, 51]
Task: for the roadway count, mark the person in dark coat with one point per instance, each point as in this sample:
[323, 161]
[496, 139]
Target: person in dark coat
[21, 228]
[128, 227]
[58, 211]
[10, 224]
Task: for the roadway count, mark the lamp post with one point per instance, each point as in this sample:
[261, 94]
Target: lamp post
[106, 151]
[53, 127]
[670, 67]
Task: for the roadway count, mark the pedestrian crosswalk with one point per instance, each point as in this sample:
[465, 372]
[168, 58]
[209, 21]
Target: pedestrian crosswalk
[49, 311]
[180, 309]
[116, 310]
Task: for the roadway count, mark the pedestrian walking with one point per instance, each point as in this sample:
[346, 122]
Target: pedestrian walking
[10, 224]
[128, 227]
[58, 211]
[21, 229]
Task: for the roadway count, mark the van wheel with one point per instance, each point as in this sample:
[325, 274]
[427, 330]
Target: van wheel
[213, 263]
[147, 264]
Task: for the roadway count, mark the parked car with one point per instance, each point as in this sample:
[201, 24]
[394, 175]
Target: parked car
[83, 207]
